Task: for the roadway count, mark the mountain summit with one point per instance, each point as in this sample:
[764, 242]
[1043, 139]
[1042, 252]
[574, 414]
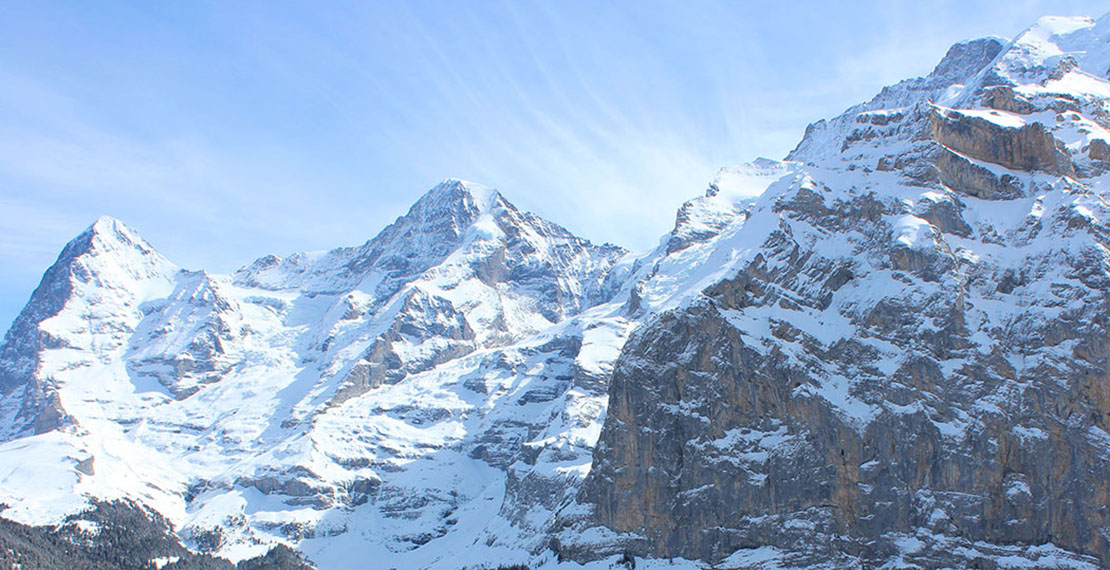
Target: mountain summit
[92, 295]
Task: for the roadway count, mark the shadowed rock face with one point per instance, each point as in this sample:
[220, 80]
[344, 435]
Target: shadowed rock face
[23, 343]
[1003, 98]
[1027, 148]
[956, 172]
[422, 316]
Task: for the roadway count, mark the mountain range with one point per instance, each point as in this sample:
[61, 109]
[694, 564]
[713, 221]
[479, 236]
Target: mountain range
[895, 355]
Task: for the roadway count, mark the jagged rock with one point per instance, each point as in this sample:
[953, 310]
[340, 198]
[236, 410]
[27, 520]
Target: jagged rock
[956, 172]
[1003, 98]
[1028, 148]
[429, 319]
[946, 215]
[1099, 150]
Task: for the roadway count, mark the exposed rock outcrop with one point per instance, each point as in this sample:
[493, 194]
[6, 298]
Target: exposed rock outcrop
[1028, 147]
[960, 174]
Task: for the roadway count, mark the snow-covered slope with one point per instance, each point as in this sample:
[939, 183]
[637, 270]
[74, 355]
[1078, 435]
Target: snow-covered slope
[888, 349]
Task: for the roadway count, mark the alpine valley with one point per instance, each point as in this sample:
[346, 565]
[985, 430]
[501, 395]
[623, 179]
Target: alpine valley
[896, 356]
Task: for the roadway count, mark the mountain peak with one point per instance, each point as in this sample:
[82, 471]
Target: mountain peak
[459, 193]
[106, 222]
[111, 252]
[107, 256]
[960, 67]
[443, 214]
[107, 234]
[1054, 56]
[964, 59]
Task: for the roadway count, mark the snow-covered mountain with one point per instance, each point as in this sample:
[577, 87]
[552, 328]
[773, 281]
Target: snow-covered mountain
[895, 356]
[908, 367]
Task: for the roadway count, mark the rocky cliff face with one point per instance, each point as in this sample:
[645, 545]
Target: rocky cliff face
[910, 365]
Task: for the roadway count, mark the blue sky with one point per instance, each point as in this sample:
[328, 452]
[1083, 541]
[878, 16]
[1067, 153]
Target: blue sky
[224, 131]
